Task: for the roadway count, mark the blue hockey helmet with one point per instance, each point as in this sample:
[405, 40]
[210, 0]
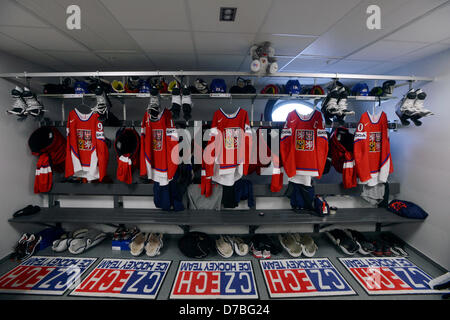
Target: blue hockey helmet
[218, 86]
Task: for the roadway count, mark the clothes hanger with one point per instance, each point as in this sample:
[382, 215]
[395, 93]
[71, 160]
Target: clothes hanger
[374, 106]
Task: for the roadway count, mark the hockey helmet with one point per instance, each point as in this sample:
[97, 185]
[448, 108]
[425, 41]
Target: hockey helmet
[376, 91]
[360, 89]
[201, 86]
[293, 87]
[117, 86]
[249, 88]
[173, 84]
[163, 86]
[81, 87]
[388, 87]
[317, 90]
[144, 86]
[270, 89]
[239, 86]
[218, 86]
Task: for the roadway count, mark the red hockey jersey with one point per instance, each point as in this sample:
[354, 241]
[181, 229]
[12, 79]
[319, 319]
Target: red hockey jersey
[303, 147]
[127, 146]
[372, 149]
[227, 155]
[159, 148]
[51, 158]
[87, 153]
[342, 158]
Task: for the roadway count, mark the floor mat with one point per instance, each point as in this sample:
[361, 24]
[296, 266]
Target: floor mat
[384, 276]
[289, 278]
[45, 275]
[214, 280]
[124, 278]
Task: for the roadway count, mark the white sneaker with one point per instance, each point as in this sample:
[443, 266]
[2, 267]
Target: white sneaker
[224, 247]
[137, 244]
[240, 247]
[154, 244]
[289, 243]
[309, 247]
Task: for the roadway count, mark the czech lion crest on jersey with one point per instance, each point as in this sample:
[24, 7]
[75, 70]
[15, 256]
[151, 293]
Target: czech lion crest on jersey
[157, 135]
[304, 140]
[232, 138]
[84, 139]
[375, 142]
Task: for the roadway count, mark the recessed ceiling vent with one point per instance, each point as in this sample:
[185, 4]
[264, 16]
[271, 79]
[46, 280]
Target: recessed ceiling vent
[227, 14]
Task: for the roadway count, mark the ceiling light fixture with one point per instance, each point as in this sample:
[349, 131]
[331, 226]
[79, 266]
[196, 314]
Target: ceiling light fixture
[227, 14]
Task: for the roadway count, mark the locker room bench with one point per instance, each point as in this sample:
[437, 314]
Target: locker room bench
[187, 218]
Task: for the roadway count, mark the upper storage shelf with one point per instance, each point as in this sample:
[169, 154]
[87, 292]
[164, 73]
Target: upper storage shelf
[216, 96]
[182, 73]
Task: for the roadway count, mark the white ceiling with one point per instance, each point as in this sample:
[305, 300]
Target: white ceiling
[308, 35]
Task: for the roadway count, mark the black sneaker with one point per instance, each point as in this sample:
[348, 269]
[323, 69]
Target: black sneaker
[364, 246]
[19, 250]
[396, 246]
[343, 241]
[31, 244]
[382, 249]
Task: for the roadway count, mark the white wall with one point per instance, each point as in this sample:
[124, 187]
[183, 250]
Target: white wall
[421, 157]
[17, 165]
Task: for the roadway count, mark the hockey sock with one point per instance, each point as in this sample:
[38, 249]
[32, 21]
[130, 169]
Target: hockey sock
[186, 103]
[176, 103]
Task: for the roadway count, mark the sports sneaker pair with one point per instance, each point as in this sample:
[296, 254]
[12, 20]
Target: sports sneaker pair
[122, 233]
[26, 246]
[260, 253]
[63, 243]
[365, 247]
[296, 244]
[388, 245]
[411, 107]
[345, 242]
[227, 245]
[181, 99]
[25, 103]
[151, 243]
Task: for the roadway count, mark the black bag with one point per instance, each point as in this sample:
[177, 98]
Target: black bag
[197, 245]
